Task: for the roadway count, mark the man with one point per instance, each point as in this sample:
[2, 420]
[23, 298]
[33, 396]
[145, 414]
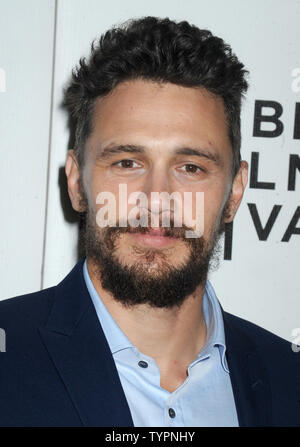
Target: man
[135, 334]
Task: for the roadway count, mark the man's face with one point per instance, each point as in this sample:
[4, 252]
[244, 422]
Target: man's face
[156, 138]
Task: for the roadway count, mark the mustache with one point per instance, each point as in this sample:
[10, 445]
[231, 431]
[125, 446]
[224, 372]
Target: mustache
[169, 231]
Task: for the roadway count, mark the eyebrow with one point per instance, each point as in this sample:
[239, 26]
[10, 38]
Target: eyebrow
[117, 149]
[200, 152]
[135, 149]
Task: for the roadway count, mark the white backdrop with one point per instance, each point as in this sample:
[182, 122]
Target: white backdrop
[41, 41]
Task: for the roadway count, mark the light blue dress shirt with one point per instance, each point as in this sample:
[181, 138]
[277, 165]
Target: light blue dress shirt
[205, 399]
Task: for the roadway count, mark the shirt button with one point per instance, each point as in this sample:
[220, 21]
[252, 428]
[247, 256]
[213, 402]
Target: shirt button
[172, 413]
[143, 364]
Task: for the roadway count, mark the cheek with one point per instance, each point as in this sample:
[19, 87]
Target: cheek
[214, 202]
[95, 184]
[112, 198]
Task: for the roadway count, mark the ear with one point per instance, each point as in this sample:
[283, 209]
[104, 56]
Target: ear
[237, 192]
[73, 175]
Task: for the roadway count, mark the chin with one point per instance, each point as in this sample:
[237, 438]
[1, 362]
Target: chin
[154, 261]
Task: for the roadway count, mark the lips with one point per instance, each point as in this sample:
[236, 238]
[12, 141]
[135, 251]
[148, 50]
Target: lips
[155, 237]
[156, 232]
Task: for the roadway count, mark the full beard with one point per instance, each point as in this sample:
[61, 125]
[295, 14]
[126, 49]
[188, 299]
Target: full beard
[166, 286]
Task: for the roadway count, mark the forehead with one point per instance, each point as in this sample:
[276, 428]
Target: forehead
[151, 114]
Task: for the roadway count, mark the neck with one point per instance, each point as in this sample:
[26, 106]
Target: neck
[172, 337]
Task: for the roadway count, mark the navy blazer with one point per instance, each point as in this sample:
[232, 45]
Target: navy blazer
[58, 369]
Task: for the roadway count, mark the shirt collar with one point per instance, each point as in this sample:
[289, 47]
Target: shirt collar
[215, 336]
[118, 341]
[116, 338]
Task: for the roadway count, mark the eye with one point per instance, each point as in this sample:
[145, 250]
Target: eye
[126, 164]
[192, 169]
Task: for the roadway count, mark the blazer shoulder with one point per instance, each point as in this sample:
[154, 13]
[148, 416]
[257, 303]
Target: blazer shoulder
[266, 342]
[29, 309]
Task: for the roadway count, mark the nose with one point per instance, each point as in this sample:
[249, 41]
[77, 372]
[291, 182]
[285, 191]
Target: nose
[157, 182]
[158, 188]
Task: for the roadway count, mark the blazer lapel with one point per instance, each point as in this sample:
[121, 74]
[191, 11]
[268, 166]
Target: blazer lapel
[76, 343]
[249, 379]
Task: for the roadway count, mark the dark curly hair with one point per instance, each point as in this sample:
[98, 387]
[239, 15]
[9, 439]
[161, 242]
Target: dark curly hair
[160, 50]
